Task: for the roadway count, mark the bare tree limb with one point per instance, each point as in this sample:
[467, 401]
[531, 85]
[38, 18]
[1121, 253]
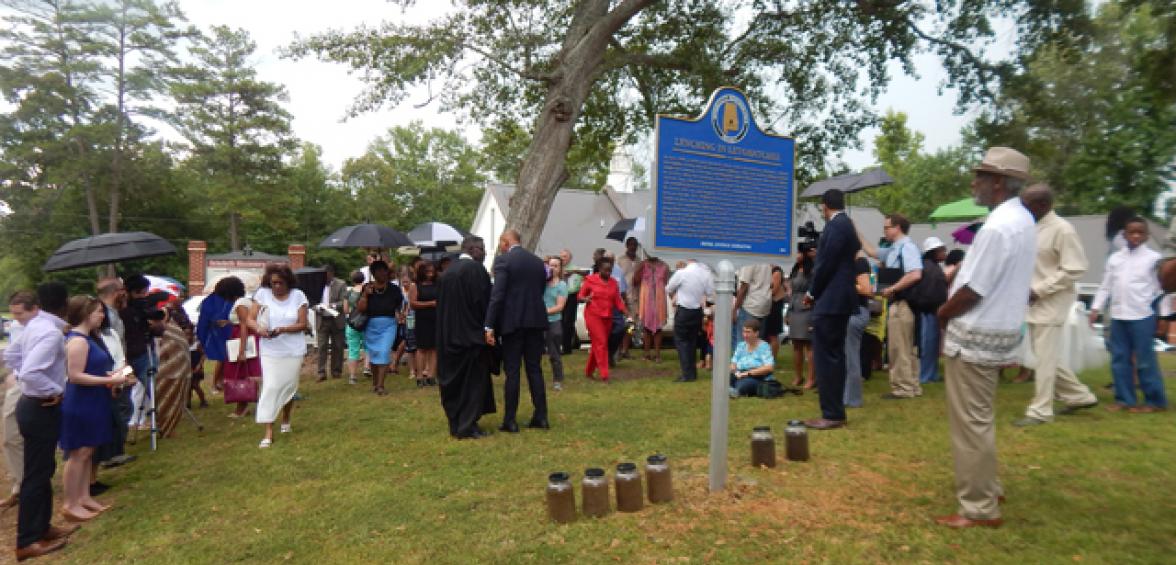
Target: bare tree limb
[983, 69]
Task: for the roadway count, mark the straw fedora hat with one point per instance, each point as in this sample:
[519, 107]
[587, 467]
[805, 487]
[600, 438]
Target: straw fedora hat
[1005, 161]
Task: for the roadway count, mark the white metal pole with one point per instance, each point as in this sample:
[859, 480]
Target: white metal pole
[725, 291]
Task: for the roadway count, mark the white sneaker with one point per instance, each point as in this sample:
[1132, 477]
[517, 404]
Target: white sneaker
[351, 380]
[286, 428]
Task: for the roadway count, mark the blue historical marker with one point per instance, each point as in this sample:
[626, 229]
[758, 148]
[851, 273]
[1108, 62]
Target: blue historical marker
[722, 184]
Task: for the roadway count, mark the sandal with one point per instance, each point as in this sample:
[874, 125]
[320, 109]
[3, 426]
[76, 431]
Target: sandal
[265, 443]
[285, 428]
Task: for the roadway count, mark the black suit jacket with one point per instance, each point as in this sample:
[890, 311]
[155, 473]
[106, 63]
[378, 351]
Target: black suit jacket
[516, 301]
[833, 288]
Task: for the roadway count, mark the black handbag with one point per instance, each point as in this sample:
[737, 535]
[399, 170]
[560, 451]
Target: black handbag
[357, 320]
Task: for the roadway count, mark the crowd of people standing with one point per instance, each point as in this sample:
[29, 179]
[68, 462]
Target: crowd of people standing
[78, 360]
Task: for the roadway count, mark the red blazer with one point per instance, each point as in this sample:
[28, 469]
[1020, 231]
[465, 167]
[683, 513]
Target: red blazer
[605, 295]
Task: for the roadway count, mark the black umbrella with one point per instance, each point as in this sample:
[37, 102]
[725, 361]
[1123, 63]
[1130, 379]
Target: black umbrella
[848, 183]
[366, 235]
[625, 228]
[107, 248]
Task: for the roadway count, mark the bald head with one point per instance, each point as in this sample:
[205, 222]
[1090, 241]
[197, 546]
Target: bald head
[1039, 199]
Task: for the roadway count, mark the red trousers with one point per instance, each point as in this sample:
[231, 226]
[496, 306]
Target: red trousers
[598, 330]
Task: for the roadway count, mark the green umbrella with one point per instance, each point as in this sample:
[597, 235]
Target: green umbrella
[965, 209]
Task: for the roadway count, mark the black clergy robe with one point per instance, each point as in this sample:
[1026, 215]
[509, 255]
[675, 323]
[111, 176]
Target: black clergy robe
[463, 358]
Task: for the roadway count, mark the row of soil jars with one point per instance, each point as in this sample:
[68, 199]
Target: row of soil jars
[763, 444]
[561, 504]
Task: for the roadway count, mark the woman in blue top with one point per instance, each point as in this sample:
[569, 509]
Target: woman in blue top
[752, 362]
[213, 328]
[86, 407]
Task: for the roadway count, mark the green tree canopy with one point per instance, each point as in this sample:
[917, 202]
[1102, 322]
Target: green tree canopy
[594, 71]
[1099, 119]
[414, 175]
[237, 130]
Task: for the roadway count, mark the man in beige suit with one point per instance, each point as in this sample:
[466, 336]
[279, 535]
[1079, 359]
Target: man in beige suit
[1060, 263]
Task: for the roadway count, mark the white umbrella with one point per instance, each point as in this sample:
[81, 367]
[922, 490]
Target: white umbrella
[436, 234]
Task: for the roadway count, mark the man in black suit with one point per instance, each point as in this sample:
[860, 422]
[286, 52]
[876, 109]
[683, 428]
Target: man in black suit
[834, 298]
[519, 317]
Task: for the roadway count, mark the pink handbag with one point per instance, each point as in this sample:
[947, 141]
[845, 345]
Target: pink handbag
[241, 390]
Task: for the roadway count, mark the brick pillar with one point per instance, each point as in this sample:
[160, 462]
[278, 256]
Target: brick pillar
[297, 255]
[197, 250]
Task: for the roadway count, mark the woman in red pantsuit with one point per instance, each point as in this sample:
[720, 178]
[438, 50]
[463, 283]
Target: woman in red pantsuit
[601, 294]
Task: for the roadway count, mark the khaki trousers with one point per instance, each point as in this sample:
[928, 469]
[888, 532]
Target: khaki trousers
[971, 396]
[1052, 379]
[904, 363]
[13, 441]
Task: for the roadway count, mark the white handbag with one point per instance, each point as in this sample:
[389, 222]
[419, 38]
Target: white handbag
[234, 347]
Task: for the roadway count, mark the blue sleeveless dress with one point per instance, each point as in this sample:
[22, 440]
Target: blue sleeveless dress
[86, 417]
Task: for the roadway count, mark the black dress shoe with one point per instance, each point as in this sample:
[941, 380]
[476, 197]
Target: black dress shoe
[98, 487]
[685, 380]
[509, 427]
[539, 424]
[476, 434]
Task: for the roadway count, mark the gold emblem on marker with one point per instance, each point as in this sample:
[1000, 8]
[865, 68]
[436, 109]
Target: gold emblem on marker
[730, 118]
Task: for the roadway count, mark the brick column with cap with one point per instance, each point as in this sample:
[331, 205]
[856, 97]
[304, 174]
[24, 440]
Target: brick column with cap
[297, 255]
[197, 251]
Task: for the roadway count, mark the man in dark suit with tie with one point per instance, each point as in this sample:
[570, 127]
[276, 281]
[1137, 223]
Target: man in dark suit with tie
[519, 317]
[834, 298]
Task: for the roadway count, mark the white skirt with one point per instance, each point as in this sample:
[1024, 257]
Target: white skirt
[279, 382]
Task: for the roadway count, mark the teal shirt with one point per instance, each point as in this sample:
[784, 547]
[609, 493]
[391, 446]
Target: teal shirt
[551, 296]
[745, 360]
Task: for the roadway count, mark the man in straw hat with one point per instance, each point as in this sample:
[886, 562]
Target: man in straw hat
[982, 320]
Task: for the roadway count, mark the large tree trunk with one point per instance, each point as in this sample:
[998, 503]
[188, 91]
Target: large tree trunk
[234, 240]
[544, 168]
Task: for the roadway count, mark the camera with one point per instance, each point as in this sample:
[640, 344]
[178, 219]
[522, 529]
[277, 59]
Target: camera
[808, 235]
[147, 305]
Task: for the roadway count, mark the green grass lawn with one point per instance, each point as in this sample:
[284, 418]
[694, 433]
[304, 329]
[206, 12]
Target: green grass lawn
[365, 479]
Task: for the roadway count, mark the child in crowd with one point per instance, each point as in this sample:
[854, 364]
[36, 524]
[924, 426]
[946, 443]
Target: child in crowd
[1132, 289]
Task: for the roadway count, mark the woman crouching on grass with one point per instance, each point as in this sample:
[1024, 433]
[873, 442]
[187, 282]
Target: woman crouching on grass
[86, 407]
[279, 317]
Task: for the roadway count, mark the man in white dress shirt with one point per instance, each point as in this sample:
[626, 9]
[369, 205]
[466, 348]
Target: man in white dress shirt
[689, 287]
[983, 317]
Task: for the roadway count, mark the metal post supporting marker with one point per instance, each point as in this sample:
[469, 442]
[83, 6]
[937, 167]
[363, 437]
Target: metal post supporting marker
[725, 291]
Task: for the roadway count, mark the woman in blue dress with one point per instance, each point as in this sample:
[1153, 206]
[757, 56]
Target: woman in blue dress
[381, 301]
[86, 407]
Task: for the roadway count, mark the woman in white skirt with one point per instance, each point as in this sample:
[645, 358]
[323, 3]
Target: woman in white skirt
[279, 317]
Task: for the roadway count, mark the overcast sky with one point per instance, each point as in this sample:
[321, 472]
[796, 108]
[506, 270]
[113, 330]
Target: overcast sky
[320, 92]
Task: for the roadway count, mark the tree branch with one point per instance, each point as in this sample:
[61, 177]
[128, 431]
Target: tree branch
[527, 73]
[625, 58]
[984, 70]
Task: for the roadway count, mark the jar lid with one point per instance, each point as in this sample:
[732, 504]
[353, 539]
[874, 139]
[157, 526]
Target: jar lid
[762, 428]
[559, 477]
[626, 467]
[594, 472]
[656, 459]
